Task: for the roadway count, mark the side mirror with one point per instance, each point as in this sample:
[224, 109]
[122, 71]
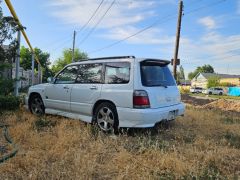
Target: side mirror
[50, 79]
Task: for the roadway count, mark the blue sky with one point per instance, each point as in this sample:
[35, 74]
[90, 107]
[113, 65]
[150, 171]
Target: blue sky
[210, 31]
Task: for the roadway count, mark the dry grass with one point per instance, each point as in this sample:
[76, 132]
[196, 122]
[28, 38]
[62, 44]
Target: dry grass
[203, 144]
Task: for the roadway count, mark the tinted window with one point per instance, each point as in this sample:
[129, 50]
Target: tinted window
[67, 76]
[155, 74]
[89, 73]
[117, 73]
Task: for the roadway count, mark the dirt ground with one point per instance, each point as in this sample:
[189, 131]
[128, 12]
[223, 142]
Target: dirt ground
[205, 103]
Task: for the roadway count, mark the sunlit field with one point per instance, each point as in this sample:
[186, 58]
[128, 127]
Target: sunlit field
[202, 144]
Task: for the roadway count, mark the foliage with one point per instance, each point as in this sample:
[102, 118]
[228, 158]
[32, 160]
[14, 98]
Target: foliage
[26, 61]
[9, 102]
[226, 84]
[184, 89]
[205, 69]
[8, 27]
[42, 123]
[180, 75]
[213, 82]
[6, 86]
[67, 59]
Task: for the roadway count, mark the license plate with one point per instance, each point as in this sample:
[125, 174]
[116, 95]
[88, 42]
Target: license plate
[172, 114]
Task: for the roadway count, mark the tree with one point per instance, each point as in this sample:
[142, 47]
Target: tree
[8, 27]
[213, 81]
[205, 69]
[26, 61]
[181, 73]
[67, 59]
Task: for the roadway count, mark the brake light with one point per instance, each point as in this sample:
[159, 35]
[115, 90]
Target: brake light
[140, 99]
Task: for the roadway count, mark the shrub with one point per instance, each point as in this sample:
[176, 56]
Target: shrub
[9, 102]
[6, 86]
[226, 84]
[43, 123]
[213, 82]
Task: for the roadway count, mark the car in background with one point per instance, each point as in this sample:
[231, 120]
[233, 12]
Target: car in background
[215, 90]
[196, 90]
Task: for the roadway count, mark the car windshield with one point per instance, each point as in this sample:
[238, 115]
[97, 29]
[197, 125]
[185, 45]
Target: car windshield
[156, 74]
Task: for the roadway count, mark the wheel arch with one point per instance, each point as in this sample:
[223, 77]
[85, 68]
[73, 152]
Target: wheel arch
[98, 102]
[32, 94]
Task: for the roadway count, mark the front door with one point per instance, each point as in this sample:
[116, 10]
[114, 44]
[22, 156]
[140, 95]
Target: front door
[58, 94]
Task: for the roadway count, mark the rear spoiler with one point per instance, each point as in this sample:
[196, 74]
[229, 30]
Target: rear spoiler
[156, 62]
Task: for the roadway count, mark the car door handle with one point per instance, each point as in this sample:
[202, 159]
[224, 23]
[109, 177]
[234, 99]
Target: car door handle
[93, 88]
[65, 87]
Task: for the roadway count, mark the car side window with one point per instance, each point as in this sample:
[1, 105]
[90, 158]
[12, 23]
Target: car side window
[89, 73]
[117, 73]
[67, 76]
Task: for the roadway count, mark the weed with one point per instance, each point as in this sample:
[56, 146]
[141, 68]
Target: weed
[43, 123]
[211, 171]
[233, 139]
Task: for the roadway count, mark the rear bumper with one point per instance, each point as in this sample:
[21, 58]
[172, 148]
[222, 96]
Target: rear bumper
[142, 118]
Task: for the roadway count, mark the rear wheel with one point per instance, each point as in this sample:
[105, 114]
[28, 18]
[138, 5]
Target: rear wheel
[220, 93]
[210, 93]
[106, 117]
[36, 105]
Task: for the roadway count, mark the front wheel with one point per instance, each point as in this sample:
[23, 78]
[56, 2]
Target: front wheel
[36, 105]
[106, 117]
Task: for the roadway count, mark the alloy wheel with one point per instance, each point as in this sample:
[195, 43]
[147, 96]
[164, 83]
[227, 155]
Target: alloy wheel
[105, 119]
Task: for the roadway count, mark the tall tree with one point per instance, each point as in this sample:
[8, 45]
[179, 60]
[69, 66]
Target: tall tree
[205, 69]
[67, 59]
[26, 61]
[8, 27]
[181, 73]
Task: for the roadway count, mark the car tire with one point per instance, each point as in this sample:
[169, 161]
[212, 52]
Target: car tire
[220, 93]
[106, 117]
[36, 105]
[210, 93]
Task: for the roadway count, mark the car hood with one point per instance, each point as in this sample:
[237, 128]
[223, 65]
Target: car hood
[39, 86]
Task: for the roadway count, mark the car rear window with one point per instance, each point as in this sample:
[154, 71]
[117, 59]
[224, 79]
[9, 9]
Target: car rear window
[156, 74]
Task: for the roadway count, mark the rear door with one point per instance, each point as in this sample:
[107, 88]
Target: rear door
[158, 81]
[87, 88]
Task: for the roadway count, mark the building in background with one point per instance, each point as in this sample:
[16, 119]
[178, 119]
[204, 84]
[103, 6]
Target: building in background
[201, 79]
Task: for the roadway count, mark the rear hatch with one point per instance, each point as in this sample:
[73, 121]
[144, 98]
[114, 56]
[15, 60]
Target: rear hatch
[159, 83]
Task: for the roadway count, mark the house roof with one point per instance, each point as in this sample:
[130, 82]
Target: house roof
[208, 75]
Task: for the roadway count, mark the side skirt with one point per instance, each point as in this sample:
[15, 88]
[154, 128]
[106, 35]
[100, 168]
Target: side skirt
[69, 115]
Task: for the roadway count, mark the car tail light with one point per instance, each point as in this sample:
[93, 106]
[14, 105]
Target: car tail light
[140, 99]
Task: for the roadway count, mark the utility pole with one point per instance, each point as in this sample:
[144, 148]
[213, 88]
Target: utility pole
[73, 48]
[33, 69]
[177, 39]
[17, 62]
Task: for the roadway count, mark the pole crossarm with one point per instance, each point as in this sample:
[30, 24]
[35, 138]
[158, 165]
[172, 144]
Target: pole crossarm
[10, 7]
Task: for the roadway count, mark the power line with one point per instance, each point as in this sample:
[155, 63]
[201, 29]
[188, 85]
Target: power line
[169, 17]
[216, 57]
[91, 31]
[59, 43]
[94, 13]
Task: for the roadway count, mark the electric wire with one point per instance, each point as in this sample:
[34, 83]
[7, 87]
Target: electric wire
[98, 22]
[94, 13]
[167, 18]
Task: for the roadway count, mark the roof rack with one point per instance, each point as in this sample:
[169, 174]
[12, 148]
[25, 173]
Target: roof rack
[114, 57]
